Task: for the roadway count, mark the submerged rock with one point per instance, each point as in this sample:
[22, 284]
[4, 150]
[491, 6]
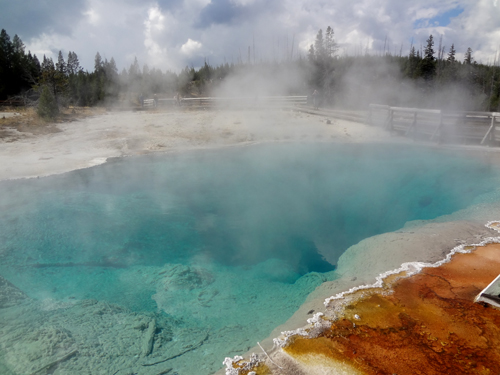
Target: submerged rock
[185, 277]
[10, 295]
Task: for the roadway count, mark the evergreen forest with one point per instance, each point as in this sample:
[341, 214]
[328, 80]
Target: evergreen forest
[428, 77]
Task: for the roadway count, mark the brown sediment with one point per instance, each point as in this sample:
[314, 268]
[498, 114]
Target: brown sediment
[259, 369]
[428, 325]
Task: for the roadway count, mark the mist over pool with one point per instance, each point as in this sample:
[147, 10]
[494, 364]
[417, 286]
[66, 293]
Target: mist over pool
[219, 246]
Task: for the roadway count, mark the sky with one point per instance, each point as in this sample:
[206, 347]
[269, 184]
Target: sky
[173, 34]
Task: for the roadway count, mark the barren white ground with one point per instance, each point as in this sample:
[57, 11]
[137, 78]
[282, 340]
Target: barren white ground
[91, 141]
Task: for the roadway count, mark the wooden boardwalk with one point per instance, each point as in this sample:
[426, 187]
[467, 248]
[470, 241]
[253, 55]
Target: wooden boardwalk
[438, 126]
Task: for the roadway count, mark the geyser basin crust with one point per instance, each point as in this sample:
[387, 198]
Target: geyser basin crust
[427, 323]
[362, 263]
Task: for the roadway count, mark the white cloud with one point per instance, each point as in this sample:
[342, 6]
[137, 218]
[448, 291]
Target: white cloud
[155, 19]
[480, 30]
[45, 45]
[92, 15]
[153, 26]
[425, 13]
[169, 34]
[190, 47]
[243, 2]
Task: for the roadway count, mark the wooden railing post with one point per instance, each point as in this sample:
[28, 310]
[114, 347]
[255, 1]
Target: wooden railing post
[434, 123]
[390, 120]
[415, 115]
[438, 128]
[489, 132]
[493, 127]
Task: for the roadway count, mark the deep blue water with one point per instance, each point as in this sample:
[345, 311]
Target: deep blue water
[268, 216]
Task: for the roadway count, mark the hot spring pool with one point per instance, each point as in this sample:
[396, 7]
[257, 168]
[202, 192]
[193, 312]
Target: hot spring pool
[216, 247]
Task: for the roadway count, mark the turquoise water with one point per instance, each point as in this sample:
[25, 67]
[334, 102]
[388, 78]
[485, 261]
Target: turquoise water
[243, 233]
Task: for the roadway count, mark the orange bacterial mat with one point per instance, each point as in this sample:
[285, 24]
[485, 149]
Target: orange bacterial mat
[428, 325]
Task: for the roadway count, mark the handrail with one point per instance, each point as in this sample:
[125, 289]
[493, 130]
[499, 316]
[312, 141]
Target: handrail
[415, 110]
[439, 125]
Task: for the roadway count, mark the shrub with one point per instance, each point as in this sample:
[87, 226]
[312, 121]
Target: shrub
[47, 104]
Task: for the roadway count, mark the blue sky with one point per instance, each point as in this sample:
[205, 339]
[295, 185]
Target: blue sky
[442, 19]
[172, 34]
[445, 18]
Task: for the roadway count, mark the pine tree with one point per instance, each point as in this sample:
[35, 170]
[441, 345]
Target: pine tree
[19, 67]
[47, 104]
[52, 78]
[451, 68]
[321, 64]
[75, 82]
[111, 71]
[123, 79]
[17, 46]
[61, 65]
[451, 55]
[112, 66]
[330, 44]
[48, 75]
[6, 49]
[18, 71]
[319, 46]
[413, 53]
[469, 72]
[111, 83]
[98, 64]
[34, 68]
[73, 65]
[6, 75]
[413, 60]
[429, 51]
[468, 57]
[134, 69]
[311, 56]
[135, 77]
[428, 64]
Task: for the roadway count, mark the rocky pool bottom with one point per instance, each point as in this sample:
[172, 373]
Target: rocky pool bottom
[168, 264]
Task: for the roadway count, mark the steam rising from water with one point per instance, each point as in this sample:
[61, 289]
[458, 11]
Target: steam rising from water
[378, 80]
[351, 83]
[301, 204]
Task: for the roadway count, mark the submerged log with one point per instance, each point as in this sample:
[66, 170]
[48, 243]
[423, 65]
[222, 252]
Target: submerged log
[147, 345]
[186, 350]
[51, 366]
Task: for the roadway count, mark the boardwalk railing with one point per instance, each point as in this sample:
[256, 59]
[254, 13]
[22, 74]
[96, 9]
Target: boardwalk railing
[439, 126]
[12, 103]
[356, 116]
[240, 102]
